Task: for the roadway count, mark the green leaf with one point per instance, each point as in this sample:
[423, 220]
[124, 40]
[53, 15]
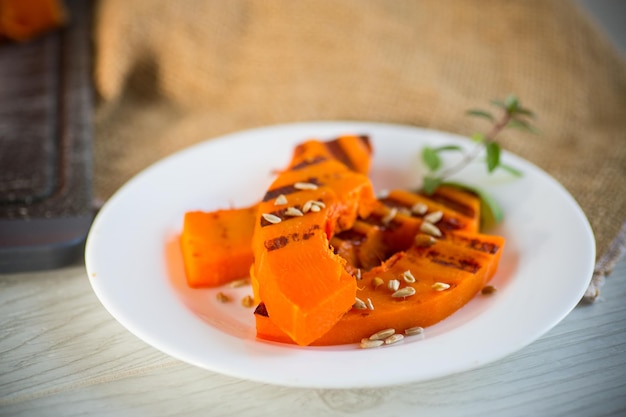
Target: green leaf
[512, 170]
[511, 103]
[478, 137]
[480, 113]
[448, 148]
[525, 112]
[499, 103]
[431, 158]
[430, 184]
[491, 213]
[522, 125]
[493, 155]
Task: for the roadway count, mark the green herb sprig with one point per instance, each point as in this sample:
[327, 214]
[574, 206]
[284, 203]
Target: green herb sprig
[513, 116]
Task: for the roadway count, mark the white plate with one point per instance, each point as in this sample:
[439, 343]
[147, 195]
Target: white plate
[135, 267]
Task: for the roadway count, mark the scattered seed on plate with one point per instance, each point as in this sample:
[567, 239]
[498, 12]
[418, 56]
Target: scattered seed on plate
[271, 218]
[247, 301]
[433, 217]
[393, 284]
[367, 343]
[305, 186]
[382, 334]
[377, 282]
[280, 200]
[359, 304]
[293, 212]
[222, 298]
[404, 292]
[430, 228]
[440, 286]
[370, 305]
[408, 277]
[395, 338]
[488, 290]
[239, 283]
[423, 240]
[413, 331]
[419, 208]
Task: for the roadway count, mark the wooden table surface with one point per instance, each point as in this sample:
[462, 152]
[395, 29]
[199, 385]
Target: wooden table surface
[62, 354]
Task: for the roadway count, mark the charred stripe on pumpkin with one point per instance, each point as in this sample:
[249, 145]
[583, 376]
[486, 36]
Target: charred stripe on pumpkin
[339, 152]
[288, 189]
[282, 241]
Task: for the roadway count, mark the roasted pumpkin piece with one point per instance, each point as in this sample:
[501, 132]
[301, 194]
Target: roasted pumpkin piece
[216, 245]
[447, 274]
[351, 150]
[421, 206]
[303, 284]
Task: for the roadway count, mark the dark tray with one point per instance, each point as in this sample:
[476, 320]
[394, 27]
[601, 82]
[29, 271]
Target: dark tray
[46, 104]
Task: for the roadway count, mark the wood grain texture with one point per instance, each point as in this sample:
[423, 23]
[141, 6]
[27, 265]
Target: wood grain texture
[61, 353]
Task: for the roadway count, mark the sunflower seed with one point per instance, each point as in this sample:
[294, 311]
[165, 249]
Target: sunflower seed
[419, 208]
[393, 284]
[305, 186]
[222, 298]
[357, 274]
[293, 212]
[318, 203]
[280, 200]
[488, 290]
[430, 228]
[440, 286]
[239, 283]
[395, 338]
[433, 217]
[404, 292]
[315, 208]
[307, 206]
[424, 241]
[271, 218]
[408, 277]
[389, 216]
[382, 334]
[370, 305]
[359, 304]
[377, 282]
[413, 331]
[247, 301]
[367, 344]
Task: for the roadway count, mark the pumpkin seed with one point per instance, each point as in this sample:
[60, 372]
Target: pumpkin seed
[377, 282]
[404, 292]
[393, 284]
[433, 217]
[367, 343]
[305, 186]
[419, 209]
[280, 200]
[389, 216]
[395, 338]
[359, 304]
[440, 286]
[271, 218]
[408, 277]
[382, 334]
[413, 331]
[430, 228]
[293, 212]
[424, 241]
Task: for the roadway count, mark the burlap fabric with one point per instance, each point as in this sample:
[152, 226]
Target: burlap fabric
[173, 73]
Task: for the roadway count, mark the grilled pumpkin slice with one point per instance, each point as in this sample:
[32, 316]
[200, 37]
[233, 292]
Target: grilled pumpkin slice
[448, 273]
